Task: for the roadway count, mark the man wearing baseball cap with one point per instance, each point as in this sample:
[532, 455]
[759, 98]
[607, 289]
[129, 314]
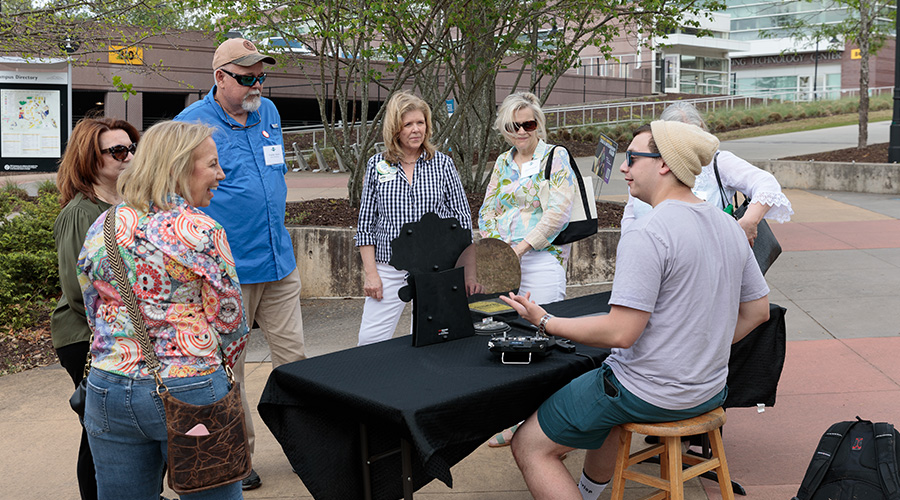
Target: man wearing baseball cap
[686, 287]
[250, 203]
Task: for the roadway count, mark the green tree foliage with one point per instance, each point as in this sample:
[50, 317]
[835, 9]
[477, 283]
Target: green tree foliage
[84, 30]
[868, 24]
[443, 49]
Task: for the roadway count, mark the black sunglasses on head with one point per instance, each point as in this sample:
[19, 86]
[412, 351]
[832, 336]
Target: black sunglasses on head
[529, 126]
[246, 80]
[120, 152]
[629, 156]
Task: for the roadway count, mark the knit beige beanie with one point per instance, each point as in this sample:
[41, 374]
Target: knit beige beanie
[685, 148]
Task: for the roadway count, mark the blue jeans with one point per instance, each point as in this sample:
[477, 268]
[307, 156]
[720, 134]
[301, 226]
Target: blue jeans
[126, 425]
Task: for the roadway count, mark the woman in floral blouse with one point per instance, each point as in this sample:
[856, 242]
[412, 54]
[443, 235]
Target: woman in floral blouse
[180, 267]
[512, 210]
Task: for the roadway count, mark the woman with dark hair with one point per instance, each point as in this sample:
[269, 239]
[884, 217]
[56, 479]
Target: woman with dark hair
[97, 152]
[401, 185]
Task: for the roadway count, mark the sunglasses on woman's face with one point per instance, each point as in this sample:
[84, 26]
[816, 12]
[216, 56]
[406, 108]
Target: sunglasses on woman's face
[528, 126]
[120, 152]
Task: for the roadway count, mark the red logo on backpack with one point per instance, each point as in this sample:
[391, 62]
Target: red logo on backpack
[857, 444]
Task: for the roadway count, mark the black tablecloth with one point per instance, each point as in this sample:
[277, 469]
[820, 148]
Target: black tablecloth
[446, 399]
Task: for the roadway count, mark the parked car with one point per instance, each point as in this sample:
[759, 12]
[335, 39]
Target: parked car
[281, 44]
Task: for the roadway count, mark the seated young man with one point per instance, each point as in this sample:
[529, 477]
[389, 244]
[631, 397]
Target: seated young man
[686, 287]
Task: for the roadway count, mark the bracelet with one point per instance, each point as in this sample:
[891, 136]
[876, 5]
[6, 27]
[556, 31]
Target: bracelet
[542, 327]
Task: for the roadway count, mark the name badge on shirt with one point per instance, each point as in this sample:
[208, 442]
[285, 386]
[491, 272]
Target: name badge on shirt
[530, 168]
[386, 171]
[273, 154]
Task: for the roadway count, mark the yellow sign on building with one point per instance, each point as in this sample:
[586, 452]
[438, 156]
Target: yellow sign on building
[119, 54]
[854, 54]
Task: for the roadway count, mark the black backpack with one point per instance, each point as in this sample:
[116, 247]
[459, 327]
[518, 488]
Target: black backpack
[854, 460]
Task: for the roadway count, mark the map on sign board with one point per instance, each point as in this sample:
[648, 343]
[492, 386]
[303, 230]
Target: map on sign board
[30, 123]
[605, 157]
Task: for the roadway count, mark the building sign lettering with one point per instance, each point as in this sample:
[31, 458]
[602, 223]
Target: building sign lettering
[119, 54]
[782, 59]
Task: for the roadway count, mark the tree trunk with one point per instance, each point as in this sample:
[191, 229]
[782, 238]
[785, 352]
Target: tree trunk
[863, 42]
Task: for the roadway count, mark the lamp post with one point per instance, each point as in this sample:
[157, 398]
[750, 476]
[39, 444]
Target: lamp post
[894, 148]
[816, 71]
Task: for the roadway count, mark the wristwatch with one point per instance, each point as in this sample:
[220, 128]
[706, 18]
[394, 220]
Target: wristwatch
[542, 327]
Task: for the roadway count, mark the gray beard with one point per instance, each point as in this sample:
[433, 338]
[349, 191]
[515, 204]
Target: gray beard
[251, 103]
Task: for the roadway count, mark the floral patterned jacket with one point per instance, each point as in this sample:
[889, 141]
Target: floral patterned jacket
[180, 267]
[512, 209]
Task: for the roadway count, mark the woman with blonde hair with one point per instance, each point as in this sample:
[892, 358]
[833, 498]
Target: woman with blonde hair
[513, 210]
[98, 151]
[401, 185]
[179, 265]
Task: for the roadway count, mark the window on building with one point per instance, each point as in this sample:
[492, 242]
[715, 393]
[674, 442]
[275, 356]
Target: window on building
[87, 103]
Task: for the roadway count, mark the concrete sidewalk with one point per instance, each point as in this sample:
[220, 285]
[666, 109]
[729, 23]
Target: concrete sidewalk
[837, 278]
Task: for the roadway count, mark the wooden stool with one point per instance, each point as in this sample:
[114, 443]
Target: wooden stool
[672, 475]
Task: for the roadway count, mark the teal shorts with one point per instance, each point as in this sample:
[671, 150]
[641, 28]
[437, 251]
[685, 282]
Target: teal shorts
[581, 414]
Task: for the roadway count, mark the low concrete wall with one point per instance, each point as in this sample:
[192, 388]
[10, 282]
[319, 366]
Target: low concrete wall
[330, 265]
[878, 178]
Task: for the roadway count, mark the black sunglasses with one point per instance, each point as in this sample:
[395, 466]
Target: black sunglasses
[120, 152]
[246, 80]
[629, 156]
[529, 126]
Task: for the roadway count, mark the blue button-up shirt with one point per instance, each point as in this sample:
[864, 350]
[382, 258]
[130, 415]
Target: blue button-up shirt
[250, 202]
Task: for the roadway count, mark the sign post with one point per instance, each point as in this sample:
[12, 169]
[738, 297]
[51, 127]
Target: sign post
[35, 113]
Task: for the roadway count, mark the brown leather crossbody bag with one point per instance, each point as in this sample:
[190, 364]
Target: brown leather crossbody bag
[221, 454]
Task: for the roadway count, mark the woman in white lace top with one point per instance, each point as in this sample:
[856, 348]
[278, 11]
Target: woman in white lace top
[767, 200]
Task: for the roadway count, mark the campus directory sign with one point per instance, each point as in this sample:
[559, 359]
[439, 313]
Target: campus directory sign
[34, 113]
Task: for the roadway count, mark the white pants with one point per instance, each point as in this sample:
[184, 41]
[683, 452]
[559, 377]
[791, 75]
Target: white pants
[543, 276]
[380, 317]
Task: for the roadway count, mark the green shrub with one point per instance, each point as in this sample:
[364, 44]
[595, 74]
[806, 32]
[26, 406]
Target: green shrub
[14, 190]
[29, 278]
[47, 187]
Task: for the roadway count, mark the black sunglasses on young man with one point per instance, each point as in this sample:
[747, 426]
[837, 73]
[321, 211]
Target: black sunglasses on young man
[120, 152]
[246, 80]
[529, 126]
[629, 156]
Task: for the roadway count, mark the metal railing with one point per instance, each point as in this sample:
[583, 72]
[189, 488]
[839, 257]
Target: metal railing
[643, 111]
[559, 117]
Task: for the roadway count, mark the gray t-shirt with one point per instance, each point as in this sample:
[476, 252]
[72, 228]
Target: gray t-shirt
[690, 266]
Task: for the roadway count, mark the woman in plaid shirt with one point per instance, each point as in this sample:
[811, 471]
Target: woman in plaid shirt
[402, 184]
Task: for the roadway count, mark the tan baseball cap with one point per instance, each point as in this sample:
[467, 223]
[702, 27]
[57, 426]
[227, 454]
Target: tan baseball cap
[238, 51]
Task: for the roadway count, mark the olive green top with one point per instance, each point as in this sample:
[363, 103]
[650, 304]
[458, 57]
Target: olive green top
[68, 324]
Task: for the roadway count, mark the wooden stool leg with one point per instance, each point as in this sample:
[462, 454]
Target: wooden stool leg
[718, 451]
[673, 464]
[618, 481]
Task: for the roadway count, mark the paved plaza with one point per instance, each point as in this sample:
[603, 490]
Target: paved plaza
[837, 277]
